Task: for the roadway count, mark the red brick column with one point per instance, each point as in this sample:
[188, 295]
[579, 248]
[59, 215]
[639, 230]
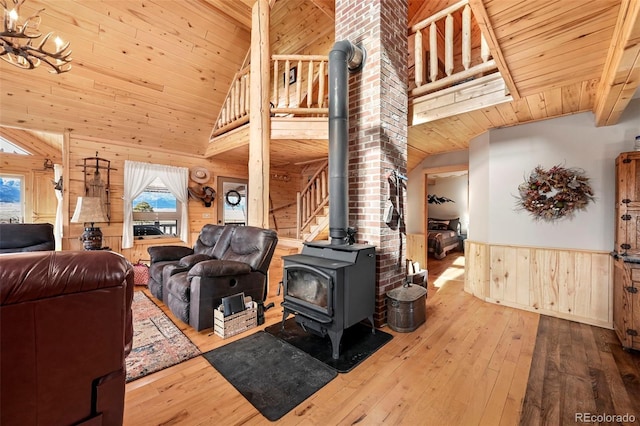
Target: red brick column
[377, 130]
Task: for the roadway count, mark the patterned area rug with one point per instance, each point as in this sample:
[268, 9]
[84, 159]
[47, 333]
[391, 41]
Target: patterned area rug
[157, 342]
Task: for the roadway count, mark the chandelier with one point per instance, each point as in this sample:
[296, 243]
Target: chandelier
[23, 46]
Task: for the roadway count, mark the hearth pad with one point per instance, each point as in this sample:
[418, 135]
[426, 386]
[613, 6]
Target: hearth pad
[357, 343]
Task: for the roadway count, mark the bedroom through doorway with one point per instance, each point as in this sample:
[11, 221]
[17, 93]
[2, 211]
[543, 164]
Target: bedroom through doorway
[446, 218]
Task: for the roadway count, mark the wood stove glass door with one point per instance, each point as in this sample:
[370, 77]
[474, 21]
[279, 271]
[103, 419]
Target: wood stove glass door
[310, 287]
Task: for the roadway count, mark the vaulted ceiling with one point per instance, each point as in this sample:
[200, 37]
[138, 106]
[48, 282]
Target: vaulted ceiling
[154, 73]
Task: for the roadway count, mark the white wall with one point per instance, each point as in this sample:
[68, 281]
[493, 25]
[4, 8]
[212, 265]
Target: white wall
[497, 168]
[455, 188]
[479, 189]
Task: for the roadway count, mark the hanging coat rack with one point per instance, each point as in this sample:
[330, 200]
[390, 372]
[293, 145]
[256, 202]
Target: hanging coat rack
[94, 184]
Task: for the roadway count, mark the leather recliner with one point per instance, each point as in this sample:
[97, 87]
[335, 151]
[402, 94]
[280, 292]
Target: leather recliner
[17, 237]
[169, 260]
[192, 295]
[65, 330]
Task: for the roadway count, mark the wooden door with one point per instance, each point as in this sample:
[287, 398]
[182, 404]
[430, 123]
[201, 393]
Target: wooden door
[44, 198]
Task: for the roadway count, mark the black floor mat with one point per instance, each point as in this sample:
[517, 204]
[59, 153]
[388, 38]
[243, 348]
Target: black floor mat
[272, 375]
[356, 345]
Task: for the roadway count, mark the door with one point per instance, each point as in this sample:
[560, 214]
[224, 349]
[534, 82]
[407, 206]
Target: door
[232, 205]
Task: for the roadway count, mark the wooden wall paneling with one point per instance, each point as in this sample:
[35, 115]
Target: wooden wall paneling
[81, 147]
[477, 269]
[498, 273]
[570, 284]
[417, 250]
[602, 287]
[568, 268]
[523, 265]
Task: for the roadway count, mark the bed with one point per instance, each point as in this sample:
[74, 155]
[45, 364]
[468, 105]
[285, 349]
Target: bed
[443, 236]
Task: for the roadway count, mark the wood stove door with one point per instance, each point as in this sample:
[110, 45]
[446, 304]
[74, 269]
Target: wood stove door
[309, 287]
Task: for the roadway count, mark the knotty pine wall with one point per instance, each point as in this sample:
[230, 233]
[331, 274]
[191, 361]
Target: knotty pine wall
[570, 284]
[82, 147]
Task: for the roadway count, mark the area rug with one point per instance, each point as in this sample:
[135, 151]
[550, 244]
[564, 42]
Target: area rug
[271, 374]
[356, 345]
[157, 342]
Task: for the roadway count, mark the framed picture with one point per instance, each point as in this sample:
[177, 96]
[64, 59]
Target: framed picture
[293, 76]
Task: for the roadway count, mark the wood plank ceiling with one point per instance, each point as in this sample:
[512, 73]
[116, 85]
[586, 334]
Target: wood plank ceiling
[155, 72]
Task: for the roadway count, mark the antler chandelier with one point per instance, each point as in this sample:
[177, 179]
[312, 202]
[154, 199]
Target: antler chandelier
[18, 41]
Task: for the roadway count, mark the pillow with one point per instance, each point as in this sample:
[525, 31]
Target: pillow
[438, 226]
[454, 224]
[451, 224]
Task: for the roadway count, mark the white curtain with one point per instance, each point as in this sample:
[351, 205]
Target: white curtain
[137, 176]
[58, 224]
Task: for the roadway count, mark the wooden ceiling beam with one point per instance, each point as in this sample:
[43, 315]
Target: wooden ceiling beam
[621, 74]
[482, 18]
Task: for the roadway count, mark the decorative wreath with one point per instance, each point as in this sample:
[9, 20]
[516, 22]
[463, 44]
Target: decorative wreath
[233, 197]
[555, 193]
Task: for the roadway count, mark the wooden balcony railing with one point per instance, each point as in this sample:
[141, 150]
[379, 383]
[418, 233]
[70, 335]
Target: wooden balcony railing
[436, 69]
[304, 88]
[313, 197]
[300, 87]
[235, 110]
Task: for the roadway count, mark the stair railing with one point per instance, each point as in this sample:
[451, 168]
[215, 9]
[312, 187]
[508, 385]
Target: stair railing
[312, 199]
[466, 64]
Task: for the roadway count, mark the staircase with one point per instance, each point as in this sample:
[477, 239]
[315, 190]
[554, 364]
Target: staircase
[313, 206]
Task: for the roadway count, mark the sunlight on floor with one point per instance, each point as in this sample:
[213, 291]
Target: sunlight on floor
[455, 272]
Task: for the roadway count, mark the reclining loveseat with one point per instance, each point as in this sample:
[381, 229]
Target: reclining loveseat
[225, 260]
[65, 330]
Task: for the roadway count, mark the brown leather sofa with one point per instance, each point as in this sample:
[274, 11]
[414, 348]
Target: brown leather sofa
[16, 237]
[237, 262]
[65, 330]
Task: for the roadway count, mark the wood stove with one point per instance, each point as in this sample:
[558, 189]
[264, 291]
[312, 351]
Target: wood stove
[329, 288]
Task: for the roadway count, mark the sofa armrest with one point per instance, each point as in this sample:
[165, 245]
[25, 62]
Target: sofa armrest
[192, 259]
[162, 253]
[219, 268]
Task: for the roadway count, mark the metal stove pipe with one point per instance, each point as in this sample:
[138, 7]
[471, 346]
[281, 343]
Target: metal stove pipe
[344, 57]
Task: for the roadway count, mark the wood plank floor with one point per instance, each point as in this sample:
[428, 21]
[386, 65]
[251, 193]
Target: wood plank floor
[467, 365]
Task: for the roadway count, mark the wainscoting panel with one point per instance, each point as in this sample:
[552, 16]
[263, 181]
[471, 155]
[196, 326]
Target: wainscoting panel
[570, 284]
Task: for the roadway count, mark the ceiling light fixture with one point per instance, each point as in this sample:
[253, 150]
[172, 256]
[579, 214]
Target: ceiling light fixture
[17, 41]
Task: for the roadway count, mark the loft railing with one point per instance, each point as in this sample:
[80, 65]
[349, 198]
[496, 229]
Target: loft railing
[443, 58]
[235, 109]
[313, 197]
[299, 87]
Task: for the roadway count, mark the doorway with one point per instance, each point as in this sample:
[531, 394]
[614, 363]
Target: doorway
[232, 205]
[446, 211]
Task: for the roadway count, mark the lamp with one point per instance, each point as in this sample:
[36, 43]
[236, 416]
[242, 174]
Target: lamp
[89, 209]
[16, 42]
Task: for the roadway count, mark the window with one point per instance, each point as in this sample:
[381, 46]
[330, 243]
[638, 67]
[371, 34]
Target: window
[138, 177]
[11, 199]
[156, 212]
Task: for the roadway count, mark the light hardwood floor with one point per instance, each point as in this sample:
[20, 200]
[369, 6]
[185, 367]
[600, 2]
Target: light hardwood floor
[467, 365]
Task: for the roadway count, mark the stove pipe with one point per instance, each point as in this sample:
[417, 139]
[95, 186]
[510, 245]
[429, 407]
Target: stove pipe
[344, 56]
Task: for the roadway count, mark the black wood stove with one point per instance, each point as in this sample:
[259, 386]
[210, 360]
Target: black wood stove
[329, 288]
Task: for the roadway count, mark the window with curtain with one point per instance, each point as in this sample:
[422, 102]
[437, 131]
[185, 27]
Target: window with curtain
[156, 212]
[141, 178]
